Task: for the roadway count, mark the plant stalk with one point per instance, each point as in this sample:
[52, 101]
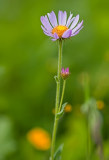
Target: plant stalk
[63, 90]
[57, 100]
[87, 97]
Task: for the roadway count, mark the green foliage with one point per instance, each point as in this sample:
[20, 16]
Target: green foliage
[57, 155]
[56, 79]
[7, 142]
[59, 114]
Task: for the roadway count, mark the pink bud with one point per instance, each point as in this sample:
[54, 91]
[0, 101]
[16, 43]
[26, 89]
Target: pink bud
[65, 73]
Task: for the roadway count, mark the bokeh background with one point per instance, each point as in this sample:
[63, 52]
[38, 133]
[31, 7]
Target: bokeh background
[28, 64]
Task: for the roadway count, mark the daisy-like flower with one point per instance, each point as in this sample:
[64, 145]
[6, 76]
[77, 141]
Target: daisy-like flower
[62, 28]
[65, 73]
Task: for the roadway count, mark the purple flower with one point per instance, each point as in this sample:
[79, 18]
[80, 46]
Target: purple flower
[62, 28]
[65, 73]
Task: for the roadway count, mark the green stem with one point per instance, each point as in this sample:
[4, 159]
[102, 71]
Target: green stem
[86, 87]
[63, 90]
[87, 97]
[88, 139]
[57, 100]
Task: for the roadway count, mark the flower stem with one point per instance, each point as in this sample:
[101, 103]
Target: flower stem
[87, 97]
[88, 139]
[63, 90]
[57, 100]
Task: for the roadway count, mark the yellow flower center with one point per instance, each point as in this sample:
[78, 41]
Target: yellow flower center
[59, 30]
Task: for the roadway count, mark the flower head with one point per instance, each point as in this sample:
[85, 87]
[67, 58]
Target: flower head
[65, 73]
[39, 138]
[62, 28]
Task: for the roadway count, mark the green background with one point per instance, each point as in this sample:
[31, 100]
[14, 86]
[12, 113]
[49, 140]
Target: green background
[28, 64]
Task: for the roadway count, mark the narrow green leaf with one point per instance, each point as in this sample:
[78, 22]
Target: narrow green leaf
[57, 155]
[62, 111]
[56, 78]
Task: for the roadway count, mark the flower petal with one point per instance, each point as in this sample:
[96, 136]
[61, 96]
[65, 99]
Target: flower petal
[67, 70]
[67, 33]
[60, 15]
[62, 71]
[69, 19]
[64, 18]
[44, 29]
[75, 22]
[77, 32]
[53, 39]
[46, 32]
[56, 36]
[77, 27]
[46, 23]
[52, 18]
[70, 22]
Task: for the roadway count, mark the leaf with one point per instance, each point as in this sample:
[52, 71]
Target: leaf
[62, 111]
[56, 78]
[57, 155]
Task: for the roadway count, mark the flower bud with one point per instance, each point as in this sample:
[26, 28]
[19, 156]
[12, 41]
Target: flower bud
[65, 73]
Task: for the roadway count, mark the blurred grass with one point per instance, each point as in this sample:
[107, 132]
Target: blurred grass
[28, 63]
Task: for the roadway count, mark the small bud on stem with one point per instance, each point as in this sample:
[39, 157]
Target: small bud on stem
[65, 73]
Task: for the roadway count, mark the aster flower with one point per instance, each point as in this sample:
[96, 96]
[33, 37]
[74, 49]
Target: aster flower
[65, 73]
[62, 28]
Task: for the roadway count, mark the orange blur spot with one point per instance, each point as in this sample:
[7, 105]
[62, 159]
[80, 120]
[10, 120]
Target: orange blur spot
[100, 105]
[68, 108]
[39, 138]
